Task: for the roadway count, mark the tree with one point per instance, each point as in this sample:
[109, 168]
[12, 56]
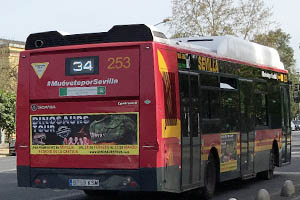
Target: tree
[9, 70]
[9, 60]
[241, 18]
[8, 113]
[253, 17]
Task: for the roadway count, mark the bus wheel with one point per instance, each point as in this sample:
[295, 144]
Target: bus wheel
[268, 174]
[210, 177]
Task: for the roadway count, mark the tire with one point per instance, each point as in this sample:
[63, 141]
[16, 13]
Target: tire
[210, 177]
[268, 174]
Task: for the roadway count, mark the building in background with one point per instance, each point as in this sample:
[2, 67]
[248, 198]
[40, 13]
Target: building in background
[9, 61]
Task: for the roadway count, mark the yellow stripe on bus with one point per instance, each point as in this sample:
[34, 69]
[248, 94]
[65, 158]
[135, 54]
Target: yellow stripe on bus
[171, 131]
[263, 148]
[263, 141]
[161, 62]
[228, 166]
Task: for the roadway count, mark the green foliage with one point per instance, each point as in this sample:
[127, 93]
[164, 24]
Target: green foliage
[8, 113]
[9, 71]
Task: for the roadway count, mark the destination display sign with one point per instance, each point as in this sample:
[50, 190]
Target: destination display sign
[82, 66]
[195, 62]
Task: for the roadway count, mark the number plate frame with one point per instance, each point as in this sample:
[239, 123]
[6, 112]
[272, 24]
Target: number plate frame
[84, 182]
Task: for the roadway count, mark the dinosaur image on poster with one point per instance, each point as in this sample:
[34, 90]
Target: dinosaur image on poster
[116, 130]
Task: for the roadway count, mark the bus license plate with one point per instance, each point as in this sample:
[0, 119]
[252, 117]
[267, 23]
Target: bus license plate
[83, 182]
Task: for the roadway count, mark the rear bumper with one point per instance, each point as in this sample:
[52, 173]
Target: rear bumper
[124, 180]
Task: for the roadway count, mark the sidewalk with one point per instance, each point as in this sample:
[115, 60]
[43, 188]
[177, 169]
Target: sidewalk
[4, 151]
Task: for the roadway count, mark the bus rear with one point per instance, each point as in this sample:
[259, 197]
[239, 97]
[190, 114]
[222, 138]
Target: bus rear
[78, 112]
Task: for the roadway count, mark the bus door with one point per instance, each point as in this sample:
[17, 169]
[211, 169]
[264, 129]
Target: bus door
[247, 139]
[190, 128]
[286, 138]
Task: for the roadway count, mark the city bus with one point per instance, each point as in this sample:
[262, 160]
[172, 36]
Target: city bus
[131, 110]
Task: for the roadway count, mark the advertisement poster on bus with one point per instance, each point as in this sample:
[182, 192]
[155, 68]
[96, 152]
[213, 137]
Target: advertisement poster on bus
[228, 152]
[85, 134]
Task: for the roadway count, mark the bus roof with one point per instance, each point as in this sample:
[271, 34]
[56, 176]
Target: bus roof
[238, 49]
[223, 46]
[118, 33]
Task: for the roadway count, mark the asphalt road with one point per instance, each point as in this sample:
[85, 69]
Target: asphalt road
[10, 191]
[245, 190]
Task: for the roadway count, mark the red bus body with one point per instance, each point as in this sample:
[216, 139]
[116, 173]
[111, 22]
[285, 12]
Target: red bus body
[136, 85]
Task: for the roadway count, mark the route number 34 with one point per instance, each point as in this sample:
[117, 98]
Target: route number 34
[78, 66]
[119, 63]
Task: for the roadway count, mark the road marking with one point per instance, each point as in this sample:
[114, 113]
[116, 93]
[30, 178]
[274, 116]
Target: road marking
[295, 152]
[287, 173]
[8, 170]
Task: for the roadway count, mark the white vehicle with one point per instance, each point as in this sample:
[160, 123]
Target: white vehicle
[293, 126]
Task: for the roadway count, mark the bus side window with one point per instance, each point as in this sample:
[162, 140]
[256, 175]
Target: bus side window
[194, 89]
[195, 107]
[260, 99]
[285, 108]
[274, 105]
[230, 111]
[261, 118]
[209, 81]
[210, 103]
[184, 87]
[184, 102]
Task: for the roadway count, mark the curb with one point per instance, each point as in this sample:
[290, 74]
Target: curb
[4, 152]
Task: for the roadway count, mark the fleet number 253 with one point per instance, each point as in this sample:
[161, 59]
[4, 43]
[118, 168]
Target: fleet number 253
[119, 63]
